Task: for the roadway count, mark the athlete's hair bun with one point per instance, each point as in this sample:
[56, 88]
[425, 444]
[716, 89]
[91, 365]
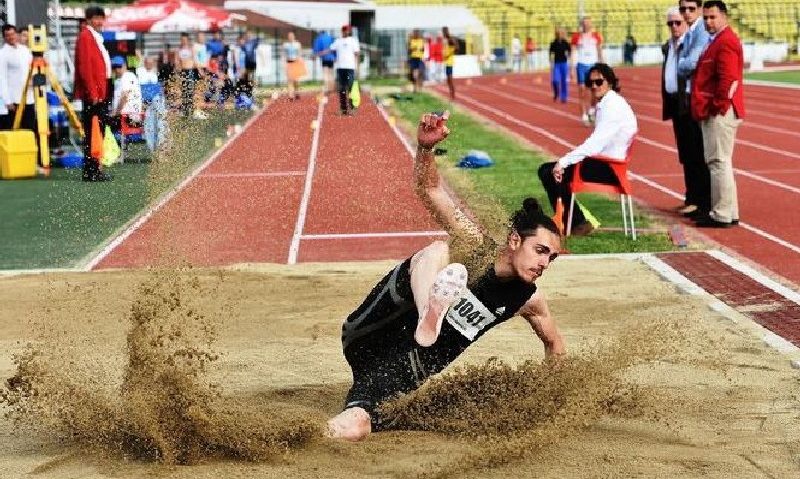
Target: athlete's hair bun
[531, 206]
[526, 220]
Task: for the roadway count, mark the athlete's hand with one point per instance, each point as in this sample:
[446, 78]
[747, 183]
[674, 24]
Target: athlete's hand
[432, 129]
[558, 173]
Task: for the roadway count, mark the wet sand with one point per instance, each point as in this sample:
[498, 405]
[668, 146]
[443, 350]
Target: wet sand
[704, 400]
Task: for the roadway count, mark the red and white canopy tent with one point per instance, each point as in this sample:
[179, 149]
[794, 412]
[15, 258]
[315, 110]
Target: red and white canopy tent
[170, 16]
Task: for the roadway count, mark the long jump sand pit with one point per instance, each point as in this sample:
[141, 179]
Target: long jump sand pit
[231, 373]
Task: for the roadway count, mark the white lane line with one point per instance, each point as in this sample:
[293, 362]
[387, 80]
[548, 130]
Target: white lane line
[647, 118]
[657, 144]
[128, 229]
[634, 176]
[294, 247]
[254, 175]
[685, 284]
[400, 234]
[738, 171]
[397, 132]
[756, 275]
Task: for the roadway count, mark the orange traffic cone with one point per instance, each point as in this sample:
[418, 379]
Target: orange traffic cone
[558, 218]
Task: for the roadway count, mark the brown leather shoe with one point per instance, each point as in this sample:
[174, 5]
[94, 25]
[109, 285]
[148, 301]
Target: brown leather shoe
[583, 229]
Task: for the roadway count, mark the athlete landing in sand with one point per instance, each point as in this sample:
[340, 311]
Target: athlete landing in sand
[432, 306]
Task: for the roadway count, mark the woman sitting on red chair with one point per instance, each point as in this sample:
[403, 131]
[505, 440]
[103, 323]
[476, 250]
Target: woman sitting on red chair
[615, 127]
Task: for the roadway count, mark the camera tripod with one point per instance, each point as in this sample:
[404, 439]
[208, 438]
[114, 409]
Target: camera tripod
[38, 75]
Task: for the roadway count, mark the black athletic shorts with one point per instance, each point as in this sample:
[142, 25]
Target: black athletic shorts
[386, 375]
[327, 63]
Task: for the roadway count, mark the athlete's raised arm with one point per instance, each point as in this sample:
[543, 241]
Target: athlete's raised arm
[433, 129]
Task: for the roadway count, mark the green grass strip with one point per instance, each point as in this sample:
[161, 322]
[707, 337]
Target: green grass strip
[494, 193]
[792, 76]
[55, 222]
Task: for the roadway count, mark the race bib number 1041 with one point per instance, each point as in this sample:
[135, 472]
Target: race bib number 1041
[469, 316]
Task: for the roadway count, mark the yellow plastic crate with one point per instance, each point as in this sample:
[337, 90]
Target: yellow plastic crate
[17, 154]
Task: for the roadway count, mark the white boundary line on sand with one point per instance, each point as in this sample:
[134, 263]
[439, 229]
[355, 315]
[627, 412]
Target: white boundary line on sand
[19, 272]
[144, 215]
[634, 176]
[294, 247]
[399, 234]
[684, 284]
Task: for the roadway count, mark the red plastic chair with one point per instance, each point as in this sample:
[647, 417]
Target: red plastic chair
[127, 129]
[623, 189]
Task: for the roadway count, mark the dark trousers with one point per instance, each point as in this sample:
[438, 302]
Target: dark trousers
[345, 78]
[591, 170]
[558, 78]
[91, 166]
[689, 140]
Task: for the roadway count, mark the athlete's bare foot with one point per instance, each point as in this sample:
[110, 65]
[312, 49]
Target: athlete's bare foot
[447, 287]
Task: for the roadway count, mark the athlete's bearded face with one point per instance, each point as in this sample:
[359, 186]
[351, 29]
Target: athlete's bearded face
[531, 255]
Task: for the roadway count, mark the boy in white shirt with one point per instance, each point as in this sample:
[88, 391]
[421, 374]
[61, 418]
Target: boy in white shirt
[347, 55]
[127, 99]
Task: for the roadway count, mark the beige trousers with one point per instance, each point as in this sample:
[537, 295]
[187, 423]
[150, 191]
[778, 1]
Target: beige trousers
[719, 135]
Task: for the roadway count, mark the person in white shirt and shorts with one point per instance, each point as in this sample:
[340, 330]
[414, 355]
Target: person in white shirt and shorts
[587, 49]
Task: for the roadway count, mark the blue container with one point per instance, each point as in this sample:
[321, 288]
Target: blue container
[71, 160]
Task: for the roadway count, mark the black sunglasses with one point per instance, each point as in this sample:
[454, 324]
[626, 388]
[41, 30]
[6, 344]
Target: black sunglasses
[596, 82]
[674, 23]
[684, 9]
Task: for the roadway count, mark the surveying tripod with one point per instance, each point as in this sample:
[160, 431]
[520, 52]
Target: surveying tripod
[38, 74]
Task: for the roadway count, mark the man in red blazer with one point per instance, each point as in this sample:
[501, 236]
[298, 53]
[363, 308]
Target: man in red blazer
[718, 104]
[92, 86]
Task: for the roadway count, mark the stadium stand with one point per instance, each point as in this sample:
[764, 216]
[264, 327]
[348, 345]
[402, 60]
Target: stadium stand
[755, 20]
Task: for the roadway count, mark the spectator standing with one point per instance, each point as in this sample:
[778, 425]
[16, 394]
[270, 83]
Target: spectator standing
[629, 50]
[15, 63]
[560, 71]
[190, 74]
[718, 104]
[416, 55]
[200, 53]
[216, 46]
[295, 66]
[249, 48]
[449, 55]
[698, 198]
[530, 53]
[516, 54]
[587, 49]
[92, 86]
[676, 107]
[323, 42]
[347, 55]
[612, 136]
[437, 59]
[148, 72]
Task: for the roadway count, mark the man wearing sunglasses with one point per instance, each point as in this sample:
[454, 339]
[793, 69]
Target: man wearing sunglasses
[718, 104]
[688, 137]
[615, 127]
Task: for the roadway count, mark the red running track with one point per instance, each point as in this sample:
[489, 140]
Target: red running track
[766, 157]
[343, 194]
